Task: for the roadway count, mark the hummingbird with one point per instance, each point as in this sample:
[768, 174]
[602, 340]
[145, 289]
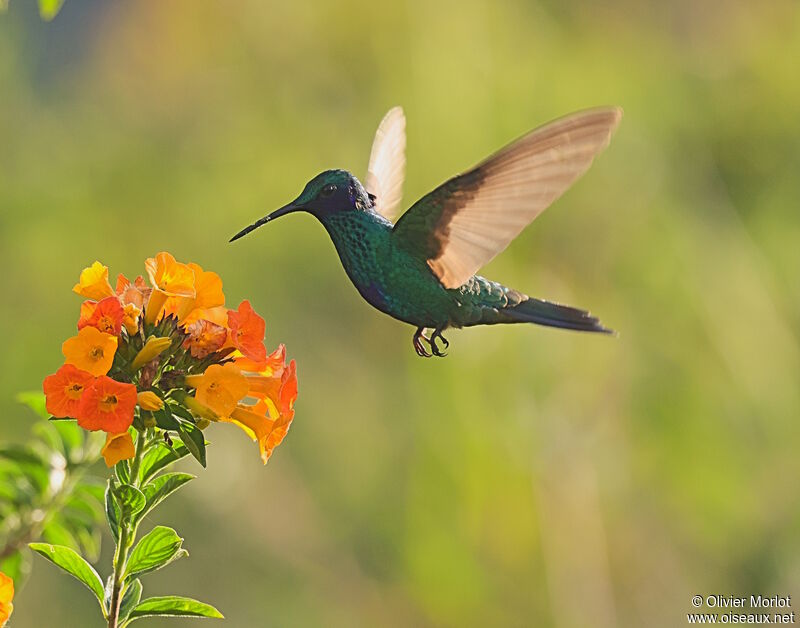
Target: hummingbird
[420, 269]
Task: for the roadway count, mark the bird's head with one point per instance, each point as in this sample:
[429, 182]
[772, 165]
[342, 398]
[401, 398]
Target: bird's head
[330, 192]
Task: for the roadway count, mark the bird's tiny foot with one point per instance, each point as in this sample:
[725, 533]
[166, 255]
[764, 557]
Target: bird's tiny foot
[434, 347]
[419, 347]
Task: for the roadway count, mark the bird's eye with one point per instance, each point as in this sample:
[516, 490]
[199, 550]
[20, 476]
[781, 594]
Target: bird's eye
[328, 190]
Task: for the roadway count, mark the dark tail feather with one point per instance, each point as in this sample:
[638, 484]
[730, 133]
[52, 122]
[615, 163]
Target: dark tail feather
[554, 315]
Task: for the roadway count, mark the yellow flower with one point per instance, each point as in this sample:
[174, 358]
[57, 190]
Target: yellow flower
[219, 388]
[148, 400]
[170, 279]
[118, 447]
[154, 346]
[93, 283]
[91, 350]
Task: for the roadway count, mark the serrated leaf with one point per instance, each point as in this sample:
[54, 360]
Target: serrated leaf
[160, 488]
[130, 500]
[156, 549]
[130, 599]
[158, 458]
[192, 437]
[174, 606]
[71, 562]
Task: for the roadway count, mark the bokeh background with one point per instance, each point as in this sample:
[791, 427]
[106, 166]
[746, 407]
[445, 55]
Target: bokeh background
[534, 477]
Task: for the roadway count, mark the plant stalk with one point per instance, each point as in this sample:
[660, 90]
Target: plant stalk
[127, 535]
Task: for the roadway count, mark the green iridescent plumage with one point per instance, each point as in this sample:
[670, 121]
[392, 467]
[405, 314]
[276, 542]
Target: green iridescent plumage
[421, 270]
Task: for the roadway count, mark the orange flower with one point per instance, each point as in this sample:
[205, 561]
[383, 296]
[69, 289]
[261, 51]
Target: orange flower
[106, 316]
[63, 390]
[204, 338]
[107, 405]
[268, 421]
[91, 350]
[247, 332]
[118, 447]
[93, 283]
[217, 315]
[273, 365]
[170, 279]
[6, 595]
[208, 294]
[219, 388]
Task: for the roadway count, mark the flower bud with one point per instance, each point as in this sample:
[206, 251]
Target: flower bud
[152, 348]
[148, 400]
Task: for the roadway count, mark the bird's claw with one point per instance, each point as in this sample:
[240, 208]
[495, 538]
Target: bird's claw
[420, 348]
[434, 348]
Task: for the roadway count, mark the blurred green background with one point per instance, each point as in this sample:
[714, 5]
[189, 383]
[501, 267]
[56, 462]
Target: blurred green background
[534, 477]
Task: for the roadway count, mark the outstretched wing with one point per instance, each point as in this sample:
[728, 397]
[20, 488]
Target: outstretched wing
[469, 219]
[387, 163]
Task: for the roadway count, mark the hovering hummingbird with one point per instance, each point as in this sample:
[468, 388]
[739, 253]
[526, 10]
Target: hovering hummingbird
[421, 269]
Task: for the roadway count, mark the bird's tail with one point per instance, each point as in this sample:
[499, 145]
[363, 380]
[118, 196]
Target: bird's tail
[541, 312]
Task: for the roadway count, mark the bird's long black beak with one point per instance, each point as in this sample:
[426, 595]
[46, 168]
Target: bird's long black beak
[286, 209]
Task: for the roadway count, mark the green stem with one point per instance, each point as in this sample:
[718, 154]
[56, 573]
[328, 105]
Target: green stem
[127, 536]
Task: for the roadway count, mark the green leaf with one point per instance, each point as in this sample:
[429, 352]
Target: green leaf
[112, 510]
[181, 411]
[123, 471]
[158, 458]
[165, 420]
[71, 562]
[174, 606]
[35, 401]
[48, 9]
[158, 548]
[130, 499]
[130, 599]
[159, 489]
[192, 437]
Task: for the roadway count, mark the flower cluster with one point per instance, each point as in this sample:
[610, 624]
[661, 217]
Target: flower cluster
[169, 356]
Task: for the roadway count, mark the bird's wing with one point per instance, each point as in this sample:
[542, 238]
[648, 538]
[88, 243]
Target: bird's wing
[387, 163]
[469, 219]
